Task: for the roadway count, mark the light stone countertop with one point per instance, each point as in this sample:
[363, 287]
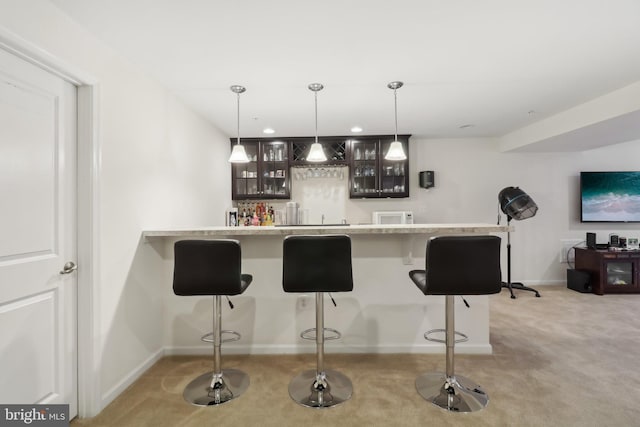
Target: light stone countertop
[436, 229]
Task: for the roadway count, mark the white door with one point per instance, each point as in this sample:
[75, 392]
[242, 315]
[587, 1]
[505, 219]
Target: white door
[38, 311]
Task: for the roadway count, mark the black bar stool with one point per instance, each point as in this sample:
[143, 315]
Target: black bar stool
[212, 267]
[456, 265]
[318, 264]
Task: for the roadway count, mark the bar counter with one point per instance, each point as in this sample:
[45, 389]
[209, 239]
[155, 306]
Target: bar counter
[385, 312]
[352, 229]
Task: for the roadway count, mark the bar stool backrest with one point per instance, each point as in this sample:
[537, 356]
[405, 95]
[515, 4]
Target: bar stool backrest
[463, 265]
[207, 267]
[317, 264]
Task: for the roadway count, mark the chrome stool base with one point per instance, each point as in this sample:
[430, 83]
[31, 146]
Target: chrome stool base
[320, 391]
[230, 385]
[454, 394]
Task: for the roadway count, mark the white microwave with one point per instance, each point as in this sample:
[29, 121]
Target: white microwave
[392, 217]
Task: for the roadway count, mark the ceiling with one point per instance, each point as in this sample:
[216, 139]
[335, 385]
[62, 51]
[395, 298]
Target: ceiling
[496, 65]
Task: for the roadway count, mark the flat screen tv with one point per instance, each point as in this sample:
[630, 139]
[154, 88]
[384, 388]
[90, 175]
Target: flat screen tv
[610, 196]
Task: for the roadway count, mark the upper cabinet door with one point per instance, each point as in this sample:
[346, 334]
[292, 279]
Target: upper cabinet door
[365, 170]
[394, 175]
[244, 176]
[275, 170]
[370, 175]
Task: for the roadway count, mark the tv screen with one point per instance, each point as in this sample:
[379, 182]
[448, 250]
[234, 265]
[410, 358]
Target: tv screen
[610, 196]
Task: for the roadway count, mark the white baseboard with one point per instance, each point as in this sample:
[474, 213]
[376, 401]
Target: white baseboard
[115, 391]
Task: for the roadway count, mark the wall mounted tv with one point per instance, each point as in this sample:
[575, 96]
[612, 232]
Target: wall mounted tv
[610, 196]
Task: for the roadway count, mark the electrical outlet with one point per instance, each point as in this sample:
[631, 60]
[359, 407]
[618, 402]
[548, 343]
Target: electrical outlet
[303, 302]
[566, 250]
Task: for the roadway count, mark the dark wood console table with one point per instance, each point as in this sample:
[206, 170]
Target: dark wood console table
[612, 272]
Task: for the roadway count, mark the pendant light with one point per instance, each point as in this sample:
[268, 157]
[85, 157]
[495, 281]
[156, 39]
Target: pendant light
[316, 153]
[396, 152]
[238, 155]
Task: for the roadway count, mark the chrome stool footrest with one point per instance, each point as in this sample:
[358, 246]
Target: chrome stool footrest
[209, 337]
[310, 334]
[464, 338]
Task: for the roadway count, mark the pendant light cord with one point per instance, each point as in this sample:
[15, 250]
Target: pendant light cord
[316, 104]
[238, 140]
[395, 106]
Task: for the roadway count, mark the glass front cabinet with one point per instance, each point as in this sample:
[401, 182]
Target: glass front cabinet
[370, 175]
[266, 176]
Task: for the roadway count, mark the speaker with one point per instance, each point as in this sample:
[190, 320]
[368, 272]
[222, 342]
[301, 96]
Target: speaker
[614, 240]
[579, 280]
[427, 179]
[591, 240]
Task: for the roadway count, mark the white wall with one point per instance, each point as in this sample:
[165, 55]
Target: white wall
[161, 165]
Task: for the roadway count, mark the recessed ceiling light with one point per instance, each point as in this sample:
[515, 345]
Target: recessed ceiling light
[467, 126]
[268, 131]
[356, 129]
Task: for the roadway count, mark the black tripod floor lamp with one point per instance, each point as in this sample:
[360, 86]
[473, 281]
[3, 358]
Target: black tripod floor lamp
[515, 204]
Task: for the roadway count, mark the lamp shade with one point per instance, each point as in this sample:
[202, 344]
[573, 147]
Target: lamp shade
[516, 204]
[238, 155]
[395, 152]
[316, 153]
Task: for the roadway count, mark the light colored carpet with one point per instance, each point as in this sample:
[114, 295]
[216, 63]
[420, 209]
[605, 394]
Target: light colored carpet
[566, 359]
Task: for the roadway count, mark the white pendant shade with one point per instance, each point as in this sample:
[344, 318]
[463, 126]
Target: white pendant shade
[396, 152]
[316, 153]
[238, 155]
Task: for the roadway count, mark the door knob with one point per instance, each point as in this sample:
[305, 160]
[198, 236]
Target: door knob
[69, 267]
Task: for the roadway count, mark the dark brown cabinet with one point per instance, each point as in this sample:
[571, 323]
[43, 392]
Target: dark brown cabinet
[610, 271]
[266, 176]
[370, 175]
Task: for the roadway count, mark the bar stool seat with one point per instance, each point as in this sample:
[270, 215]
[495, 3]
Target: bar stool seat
[212, 267]
[456, 265]
[318, 264]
